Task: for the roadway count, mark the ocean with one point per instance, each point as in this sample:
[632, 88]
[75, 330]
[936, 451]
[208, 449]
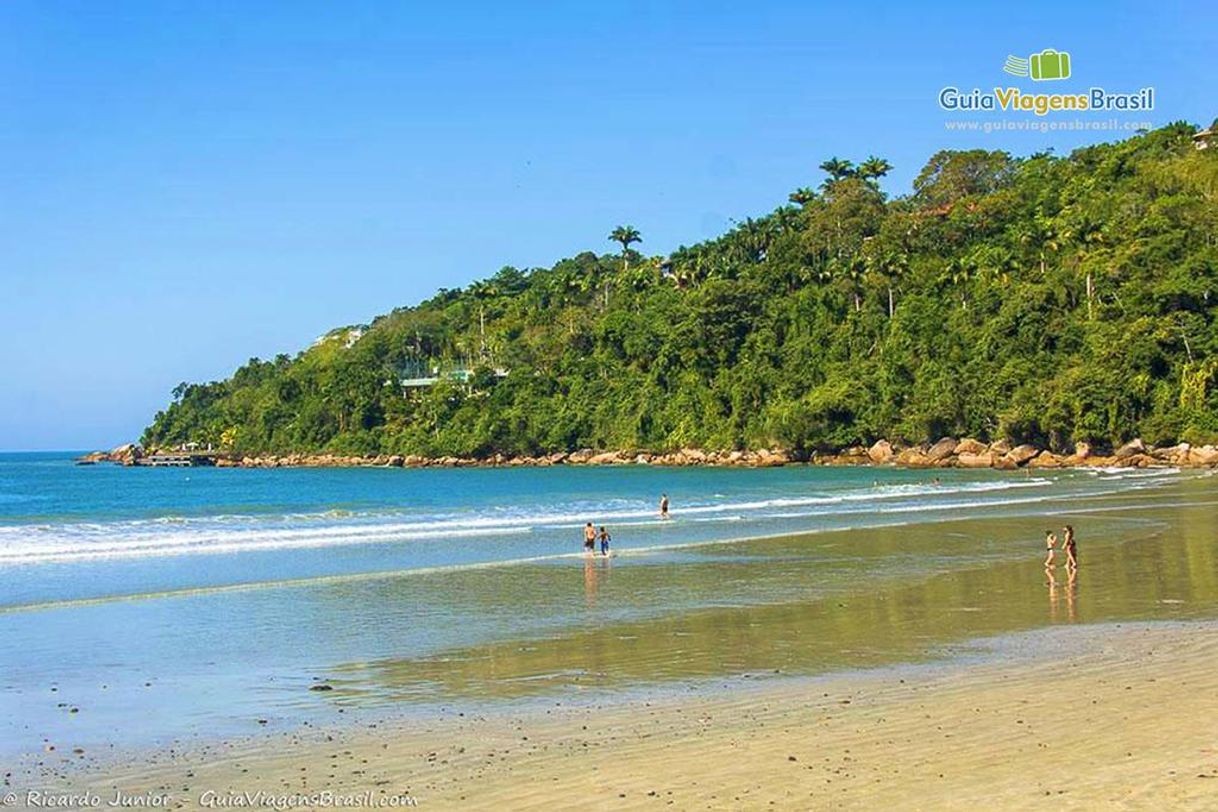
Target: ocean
[140, 606]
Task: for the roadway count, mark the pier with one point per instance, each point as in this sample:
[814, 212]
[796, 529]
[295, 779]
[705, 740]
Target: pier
[179, 459]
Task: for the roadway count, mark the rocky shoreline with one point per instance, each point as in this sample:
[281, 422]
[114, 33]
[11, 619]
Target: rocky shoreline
[946, 453]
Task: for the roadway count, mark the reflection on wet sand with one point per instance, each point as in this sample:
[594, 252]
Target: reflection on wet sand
[1138, 572]
[1071, 592]
[1052, 593]
[596, 568]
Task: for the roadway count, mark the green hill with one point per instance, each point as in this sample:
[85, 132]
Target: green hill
[1040, 299]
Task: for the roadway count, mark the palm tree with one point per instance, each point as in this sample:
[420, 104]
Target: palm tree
[838, 169]
[873, 168]
[958, 273]
[1086, 236]
[889, 267]
[625, 235]
[802, 196]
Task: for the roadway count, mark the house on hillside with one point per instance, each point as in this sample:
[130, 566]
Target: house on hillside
[1204, 138]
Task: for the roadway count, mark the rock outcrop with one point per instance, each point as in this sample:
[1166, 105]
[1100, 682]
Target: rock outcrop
[1135, 446]
[941, 450]
[881, 453]
[945, 453]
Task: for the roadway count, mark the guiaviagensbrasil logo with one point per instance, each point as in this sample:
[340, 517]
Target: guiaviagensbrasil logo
[1044, 66]
[1041, 67]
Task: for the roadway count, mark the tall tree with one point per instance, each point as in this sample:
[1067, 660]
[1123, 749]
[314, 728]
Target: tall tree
[837, 169]
[625, 236]
[874, 168]
[802, 196]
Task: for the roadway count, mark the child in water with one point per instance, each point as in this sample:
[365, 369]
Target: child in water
[604, 536]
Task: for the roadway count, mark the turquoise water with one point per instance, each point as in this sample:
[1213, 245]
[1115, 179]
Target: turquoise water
[171, 602]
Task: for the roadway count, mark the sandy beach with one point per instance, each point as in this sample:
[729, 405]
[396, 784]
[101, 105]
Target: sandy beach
[1113, 716]
[923, 665]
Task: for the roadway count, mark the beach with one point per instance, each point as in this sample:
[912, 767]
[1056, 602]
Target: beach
[806, 637]
[1081, 718]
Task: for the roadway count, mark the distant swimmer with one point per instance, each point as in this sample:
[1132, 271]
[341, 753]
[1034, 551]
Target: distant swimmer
[604, 537]
[589, 538]
[1051, 548]
[1070, 547]
[664, 506]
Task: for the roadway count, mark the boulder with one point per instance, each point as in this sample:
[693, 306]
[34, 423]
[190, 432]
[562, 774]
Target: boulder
[1045, 459]
[126, 454]
[770, 459]
[914, 458]
[970, 459]
[1205, 455]
[1142, 461]
[1134, 446]
[1175, 454]
[941, 450]
[606, 458]
[1021, 454]
[1004, 463]
[1000, 447]
[970, 446]
[1082, 451]
[881, 452]
[1165, 453]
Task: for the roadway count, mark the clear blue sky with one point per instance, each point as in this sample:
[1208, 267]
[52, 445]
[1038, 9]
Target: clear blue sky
[186, 185]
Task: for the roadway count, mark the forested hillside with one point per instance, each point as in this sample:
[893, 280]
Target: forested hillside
[1042, 299]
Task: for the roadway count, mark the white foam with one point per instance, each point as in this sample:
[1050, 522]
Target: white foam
[175, 535]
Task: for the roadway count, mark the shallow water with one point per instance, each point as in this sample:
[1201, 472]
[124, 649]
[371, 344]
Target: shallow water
[167, 603]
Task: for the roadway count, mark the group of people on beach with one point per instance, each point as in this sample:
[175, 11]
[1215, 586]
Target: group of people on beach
[1068, 544]
[592, 535]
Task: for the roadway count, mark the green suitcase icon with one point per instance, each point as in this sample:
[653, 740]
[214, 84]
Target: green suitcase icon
[1050, 64]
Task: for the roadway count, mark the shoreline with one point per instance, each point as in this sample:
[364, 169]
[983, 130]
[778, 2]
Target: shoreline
[1086, 716]
[948, 452]
[1112, 711]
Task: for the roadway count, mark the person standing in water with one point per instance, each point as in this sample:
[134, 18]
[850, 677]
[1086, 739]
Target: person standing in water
[604, 537]
[1071, 548]
[589, 538]
[663, 506]
[1051, 547]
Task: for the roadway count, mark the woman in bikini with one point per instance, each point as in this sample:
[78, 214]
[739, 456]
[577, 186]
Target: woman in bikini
[1071, 549]
[1051, 547]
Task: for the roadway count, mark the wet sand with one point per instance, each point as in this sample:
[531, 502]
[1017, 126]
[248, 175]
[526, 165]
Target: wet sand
[1111, 716]
[975, 681]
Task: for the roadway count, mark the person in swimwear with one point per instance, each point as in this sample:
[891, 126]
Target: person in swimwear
[1051, 548]
[589, 538]
[604, 537]
[663, 506]
[1071, 548]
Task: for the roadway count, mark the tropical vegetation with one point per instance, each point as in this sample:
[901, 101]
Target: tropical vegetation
[1039, 299]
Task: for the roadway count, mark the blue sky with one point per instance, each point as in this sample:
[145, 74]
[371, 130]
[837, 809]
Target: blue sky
[186, 185]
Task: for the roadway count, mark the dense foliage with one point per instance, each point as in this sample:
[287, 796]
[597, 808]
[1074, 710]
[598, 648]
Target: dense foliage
[1041, 299]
